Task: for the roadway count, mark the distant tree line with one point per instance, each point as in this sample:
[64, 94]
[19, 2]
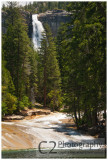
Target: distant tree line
[40, 7]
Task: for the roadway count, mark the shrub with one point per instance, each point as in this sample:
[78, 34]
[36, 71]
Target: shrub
[24, 103]
[55, 99]
[4, 109]
[21, 105]
[10, 103]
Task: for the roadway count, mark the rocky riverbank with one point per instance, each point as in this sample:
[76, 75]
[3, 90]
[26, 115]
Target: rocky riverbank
[27, 114]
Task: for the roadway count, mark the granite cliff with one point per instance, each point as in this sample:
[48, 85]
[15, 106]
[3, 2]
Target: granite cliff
[26, 15]
[54, 19]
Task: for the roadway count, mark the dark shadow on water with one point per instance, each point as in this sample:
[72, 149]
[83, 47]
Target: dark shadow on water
[57, 153]
[64, 129]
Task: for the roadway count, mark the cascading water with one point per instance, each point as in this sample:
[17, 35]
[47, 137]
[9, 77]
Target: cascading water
[37, 32]
[36, 39]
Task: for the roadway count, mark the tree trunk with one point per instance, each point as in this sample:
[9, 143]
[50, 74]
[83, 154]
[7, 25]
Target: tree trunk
[75, 114]
[45, 80]
[78, 110]
[94, 117]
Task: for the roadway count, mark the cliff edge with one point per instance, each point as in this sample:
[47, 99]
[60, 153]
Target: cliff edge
[54, 19]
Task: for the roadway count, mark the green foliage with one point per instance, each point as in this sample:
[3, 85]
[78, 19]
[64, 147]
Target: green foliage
[24, 103]
[81, 48]
[19, 63]
[55, 99]
[9, 104]
[74, 67]
[39, 7]
[8, 99]
[21, 105]
[4, 108]
[33, 57]
[16, 50]
[49, 67]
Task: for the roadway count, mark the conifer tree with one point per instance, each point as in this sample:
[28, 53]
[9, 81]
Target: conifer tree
[81, 47]
[16, 49]
[51, 71]
[9, 100]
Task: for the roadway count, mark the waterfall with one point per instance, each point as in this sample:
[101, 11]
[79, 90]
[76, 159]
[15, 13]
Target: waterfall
[37, 32]
[36, 39]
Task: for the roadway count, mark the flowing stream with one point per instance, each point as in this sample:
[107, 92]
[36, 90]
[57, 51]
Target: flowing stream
[51, 133]
[37, 31]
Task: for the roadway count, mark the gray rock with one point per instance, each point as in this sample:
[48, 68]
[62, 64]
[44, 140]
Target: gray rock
[54, 19]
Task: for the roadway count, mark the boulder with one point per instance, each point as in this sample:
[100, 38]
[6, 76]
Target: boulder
[13, 117]
[34, 112]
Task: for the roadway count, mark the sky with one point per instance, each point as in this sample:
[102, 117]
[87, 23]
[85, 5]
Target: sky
[20, 2]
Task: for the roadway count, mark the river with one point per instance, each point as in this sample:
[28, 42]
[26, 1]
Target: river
[45, 133]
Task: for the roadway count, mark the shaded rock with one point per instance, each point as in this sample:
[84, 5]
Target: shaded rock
[27, 18]
[54, 19]
[4, 15]
[38, 105]
[26, 113]
[42, 112]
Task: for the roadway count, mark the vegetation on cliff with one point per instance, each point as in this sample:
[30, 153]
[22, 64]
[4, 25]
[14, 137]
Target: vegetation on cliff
[40, 7]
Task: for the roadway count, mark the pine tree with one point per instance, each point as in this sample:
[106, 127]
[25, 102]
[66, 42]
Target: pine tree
[9, 100]
[33, 75]
[51, 72]
[81, 54]
[16, 49]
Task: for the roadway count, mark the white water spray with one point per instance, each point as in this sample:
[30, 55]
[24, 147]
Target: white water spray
[37, 32]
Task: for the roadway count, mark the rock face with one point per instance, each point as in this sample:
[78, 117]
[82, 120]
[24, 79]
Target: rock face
[4, 14]
[26, 15]
[28, 18]
[54, 19]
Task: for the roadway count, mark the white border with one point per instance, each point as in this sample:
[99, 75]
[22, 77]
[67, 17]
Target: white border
[3, 1]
